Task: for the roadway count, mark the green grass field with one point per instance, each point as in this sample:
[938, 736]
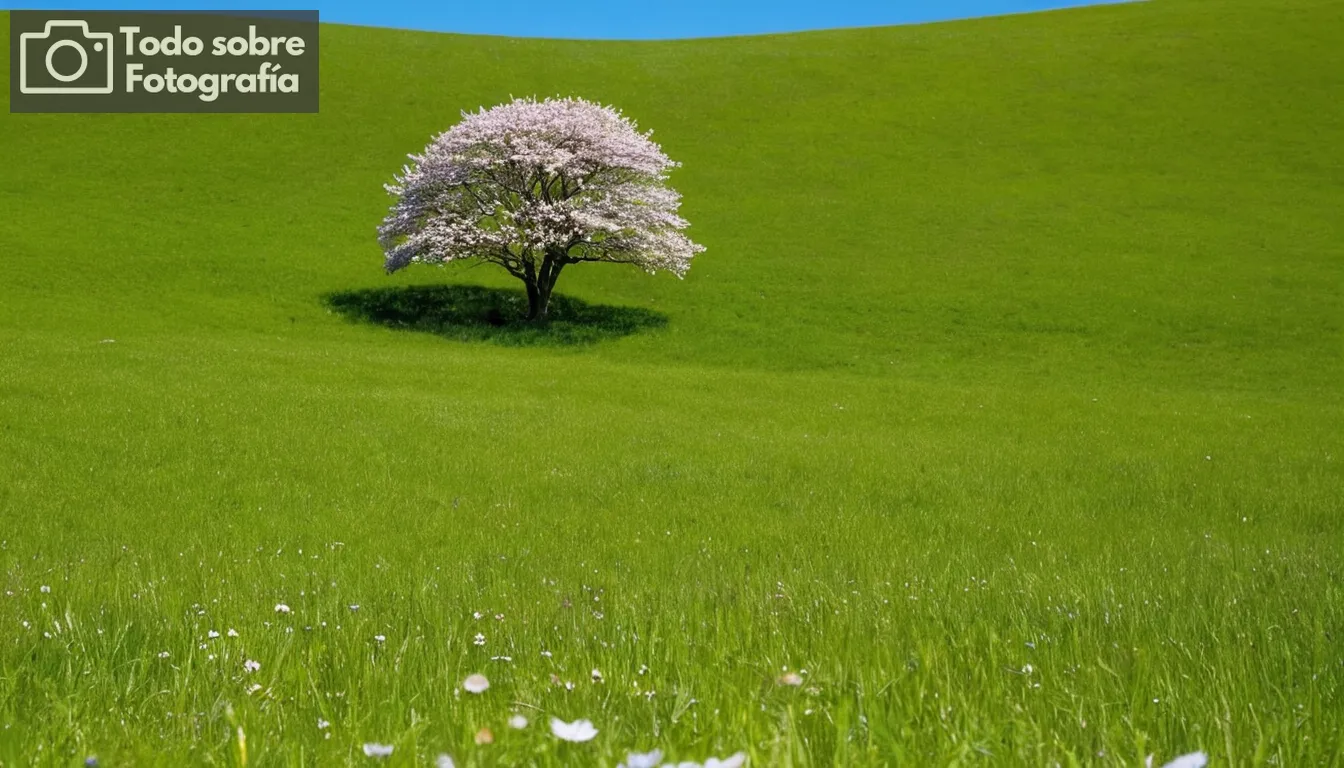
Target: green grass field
[1006, 403]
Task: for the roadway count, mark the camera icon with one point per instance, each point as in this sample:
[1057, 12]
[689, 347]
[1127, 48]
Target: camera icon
[37, 52]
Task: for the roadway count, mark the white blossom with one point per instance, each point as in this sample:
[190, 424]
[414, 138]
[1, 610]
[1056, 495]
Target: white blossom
[579, 730]
[534, 186]
[732, 761]
[1192, 760]
[476, 684]
[642, 760]
[378, 750]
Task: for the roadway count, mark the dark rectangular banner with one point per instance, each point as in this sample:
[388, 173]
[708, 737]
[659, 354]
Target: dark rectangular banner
[163, 61]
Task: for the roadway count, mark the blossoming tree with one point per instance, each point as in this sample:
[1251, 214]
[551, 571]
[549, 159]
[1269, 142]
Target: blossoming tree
[535, 186]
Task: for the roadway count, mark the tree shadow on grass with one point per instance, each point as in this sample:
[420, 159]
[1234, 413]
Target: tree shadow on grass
[476, 313]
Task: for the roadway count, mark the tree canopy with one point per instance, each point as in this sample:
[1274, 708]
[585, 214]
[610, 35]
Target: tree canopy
[535, 186]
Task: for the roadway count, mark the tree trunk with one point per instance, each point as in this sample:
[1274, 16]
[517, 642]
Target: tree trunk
[538, 302]
[540, 284]
[536, 308]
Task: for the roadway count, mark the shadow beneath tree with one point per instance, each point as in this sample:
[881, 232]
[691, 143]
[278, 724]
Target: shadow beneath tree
[476, 313]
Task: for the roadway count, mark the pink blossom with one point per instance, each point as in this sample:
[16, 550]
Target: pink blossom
[535, 186]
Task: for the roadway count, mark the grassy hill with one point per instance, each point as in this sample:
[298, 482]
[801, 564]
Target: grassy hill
[1005, 402]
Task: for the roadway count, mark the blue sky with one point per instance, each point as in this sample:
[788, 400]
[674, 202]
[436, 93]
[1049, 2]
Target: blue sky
[607, 19]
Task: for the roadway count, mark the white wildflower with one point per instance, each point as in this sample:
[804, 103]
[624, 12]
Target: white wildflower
[476, 683]
[733, 761]
[642, 760]
[579, 730]
[377, 750]
[1192, 760]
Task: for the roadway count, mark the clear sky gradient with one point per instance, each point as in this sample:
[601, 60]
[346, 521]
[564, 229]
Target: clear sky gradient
[606, 19]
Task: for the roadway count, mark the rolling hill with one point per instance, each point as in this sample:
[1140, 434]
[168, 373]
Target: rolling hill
[1005, 401]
